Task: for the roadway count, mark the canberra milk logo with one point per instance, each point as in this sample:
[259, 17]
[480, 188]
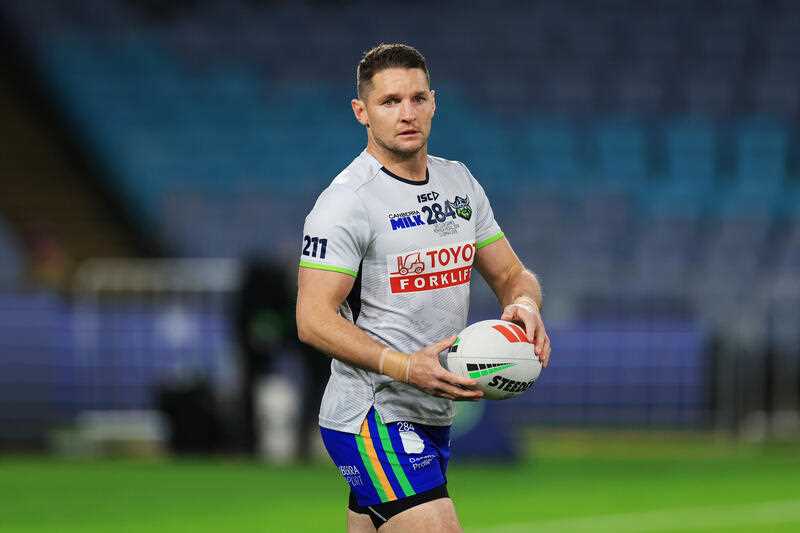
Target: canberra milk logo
[431, 268]
[408, 219]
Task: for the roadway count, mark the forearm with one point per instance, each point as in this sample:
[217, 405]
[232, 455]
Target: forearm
[332, 334]
[520, 284]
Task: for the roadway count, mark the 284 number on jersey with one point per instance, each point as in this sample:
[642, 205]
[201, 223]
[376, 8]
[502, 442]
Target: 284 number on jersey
[436, 213]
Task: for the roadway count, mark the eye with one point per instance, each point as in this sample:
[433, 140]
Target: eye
[390, 101]
[420, 98]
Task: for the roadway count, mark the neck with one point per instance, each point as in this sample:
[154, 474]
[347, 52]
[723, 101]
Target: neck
[412, 167]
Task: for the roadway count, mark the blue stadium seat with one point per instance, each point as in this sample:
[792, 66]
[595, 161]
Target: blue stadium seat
[622, 153]
[709, 91]
[664, 252]
[690, 151]
[677, 199]
[568, 91]
[777, 92]
[734, 249]
[554, 155]
[637, 92]
[785, 257]
[761, 154]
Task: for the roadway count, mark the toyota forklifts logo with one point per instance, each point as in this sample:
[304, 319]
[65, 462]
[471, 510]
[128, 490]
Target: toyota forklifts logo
[432, 268]
[410, 263]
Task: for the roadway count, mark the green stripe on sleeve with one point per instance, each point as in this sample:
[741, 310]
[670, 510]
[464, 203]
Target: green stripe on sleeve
[490, 240]
[317, 266]
[371, 471]
[386, 442]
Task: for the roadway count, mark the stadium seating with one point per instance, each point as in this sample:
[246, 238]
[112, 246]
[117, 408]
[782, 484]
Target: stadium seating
[552, 146]
[627, 155]
[198, 122]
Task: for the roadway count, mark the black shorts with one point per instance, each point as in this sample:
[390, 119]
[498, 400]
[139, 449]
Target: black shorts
[381, 513]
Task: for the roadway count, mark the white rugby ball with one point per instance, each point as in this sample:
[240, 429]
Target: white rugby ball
[496, 353]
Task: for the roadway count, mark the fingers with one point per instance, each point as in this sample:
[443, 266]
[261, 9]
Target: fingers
[546, 352]
[536, 333]
[428, 375]
[453, 386]
[530, 328]
[523, 316]
[442, 345]
[455, 379]
[538, 336]
[457, 393]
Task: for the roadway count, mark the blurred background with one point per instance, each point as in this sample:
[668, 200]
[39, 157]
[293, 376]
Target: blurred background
[158, 159]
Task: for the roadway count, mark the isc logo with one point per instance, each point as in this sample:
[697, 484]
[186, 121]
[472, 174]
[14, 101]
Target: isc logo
[429, 197]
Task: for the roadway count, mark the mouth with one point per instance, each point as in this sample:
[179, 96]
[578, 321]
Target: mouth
[408, 133]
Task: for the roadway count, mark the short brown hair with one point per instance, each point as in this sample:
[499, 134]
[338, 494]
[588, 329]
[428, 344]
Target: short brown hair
[385, 56]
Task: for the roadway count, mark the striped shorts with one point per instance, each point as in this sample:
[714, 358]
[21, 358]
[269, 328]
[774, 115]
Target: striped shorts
[387, 462]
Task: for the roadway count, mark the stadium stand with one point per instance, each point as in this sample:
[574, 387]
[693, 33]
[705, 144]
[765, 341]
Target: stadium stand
[632, 157]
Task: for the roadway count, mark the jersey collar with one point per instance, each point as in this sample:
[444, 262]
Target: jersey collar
[404, 180]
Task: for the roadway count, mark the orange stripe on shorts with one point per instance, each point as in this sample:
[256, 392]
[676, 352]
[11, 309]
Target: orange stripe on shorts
[376, 464]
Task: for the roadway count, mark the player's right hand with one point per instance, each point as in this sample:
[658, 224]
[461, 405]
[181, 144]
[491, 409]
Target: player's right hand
[428, 375]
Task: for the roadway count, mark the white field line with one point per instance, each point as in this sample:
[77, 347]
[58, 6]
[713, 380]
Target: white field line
[679, 519]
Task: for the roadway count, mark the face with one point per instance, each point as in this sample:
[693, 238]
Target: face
[397, 110]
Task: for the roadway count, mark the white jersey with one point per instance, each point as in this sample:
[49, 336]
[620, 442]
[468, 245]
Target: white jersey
[410, 247]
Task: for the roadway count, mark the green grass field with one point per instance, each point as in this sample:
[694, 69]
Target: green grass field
[572, 482]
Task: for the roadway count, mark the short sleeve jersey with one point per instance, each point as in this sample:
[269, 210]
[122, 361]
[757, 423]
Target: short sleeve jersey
[410, 247]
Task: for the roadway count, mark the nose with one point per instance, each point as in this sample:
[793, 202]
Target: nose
[407, 111]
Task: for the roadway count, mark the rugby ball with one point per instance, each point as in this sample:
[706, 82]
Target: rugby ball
[498, 354]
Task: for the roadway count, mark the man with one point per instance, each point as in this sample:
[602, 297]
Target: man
[383, 287]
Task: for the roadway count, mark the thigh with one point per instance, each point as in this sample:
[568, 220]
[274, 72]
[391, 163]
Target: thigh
[436, 516]
[359, 523]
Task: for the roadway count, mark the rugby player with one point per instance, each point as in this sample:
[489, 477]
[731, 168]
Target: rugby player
[383, 286]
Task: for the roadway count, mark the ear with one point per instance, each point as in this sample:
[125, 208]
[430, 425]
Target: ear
[360, 111]
[433, 100]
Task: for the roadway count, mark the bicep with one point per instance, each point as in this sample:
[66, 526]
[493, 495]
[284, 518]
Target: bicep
[496, 262]
[321, 289]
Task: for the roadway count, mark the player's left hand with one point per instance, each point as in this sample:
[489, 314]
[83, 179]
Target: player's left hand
[527, 315]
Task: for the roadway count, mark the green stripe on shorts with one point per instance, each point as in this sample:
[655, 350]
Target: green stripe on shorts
[386, 442]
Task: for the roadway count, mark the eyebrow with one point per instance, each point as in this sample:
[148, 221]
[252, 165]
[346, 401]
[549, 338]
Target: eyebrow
[395, 95]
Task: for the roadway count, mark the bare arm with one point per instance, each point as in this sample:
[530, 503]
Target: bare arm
[319, 295]
[518, 291]
[319, 324]
[506, 275]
